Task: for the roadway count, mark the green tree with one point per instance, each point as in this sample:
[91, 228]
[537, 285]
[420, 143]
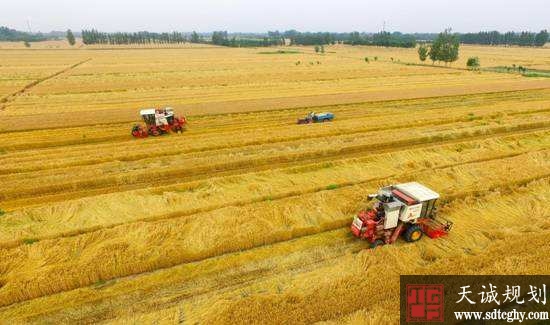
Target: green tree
[541, 38]
[473, 63]
[322, 49]
[445, 47]
[27, 44]
[433, 52]
[195, 38]
[422, 53]
[317, 48]
[70, 37]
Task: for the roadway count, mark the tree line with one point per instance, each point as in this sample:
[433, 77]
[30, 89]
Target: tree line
[223, 38]
[12, 35]
[273, 38]
[292, 37]
[395, 39]
[96, 37]
[508, 38]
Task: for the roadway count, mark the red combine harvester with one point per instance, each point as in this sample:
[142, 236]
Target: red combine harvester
[405, 209]
[158, 122]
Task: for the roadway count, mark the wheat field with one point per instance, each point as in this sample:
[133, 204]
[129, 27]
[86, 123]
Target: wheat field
[244, 217]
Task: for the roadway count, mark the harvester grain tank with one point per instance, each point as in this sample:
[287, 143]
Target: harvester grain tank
[158, 122]
[407, 209]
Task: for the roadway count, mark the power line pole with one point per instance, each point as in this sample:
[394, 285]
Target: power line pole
[29, 25]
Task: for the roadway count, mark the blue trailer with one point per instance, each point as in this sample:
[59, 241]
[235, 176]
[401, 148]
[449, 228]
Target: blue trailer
[316, 118]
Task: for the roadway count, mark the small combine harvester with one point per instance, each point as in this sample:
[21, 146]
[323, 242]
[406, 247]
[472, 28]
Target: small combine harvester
[158, 122]
[316, 118]
[404, 209]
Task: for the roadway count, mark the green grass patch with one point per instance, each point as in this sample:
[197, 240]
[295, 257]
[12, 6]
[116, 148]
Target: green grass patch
[535, 74]
[281, 52]
[29, 241]
[526, 72]
[332, 187]
[2, 212]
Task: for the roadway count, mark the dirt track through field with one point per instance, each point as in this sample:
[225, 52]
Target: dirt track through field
[6, 99]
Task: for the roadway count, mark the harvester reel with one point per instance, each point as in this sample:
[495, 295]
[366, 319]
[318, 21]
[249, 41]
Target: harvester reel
[139, 132]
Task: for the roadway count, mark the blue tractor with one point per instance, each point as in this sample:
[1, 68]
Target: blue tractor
[313, 117]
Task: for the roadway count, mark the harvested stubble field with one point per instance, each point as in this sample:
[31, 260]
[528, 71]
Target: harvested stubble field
[244, 218]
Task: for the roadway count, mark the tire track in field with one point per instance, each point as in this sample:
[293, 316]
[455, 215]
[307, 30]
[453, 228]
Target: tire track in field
[345, 246]
[93, 187]
[178, 293]
[277, 197]
[4, 101]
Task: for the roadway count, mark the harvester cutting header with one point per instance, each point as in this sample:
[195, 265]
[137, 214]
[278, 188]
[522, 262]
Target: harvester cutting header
[407, 209]
[158, 122]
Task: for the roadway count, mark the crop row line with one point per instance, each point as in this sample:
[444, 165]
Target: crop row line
[507, 187]
[135, 156]
[127, 182]
[275, 197]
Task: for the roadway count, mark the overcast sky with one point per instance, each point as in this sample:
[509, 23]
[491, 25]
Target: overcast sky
[260, 16]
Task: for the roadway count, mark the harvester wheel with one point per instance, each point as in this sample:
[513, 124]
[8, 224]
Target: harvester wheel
[326, 120]
[378, 242]
[413, 233]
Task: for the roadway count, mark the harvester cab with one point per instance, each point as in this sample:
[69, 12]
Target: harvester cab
[148, 116]
[169, 114]
[407, 209]
[157, 122]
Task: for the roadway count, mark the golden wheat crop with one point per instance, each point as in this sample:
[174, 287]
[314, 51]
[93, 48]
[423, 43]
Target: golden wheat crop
[244, 217]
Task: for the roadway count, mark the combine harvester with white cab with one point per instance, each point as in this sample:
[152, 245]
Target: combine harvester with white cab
[407, 209]
[158, 122]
